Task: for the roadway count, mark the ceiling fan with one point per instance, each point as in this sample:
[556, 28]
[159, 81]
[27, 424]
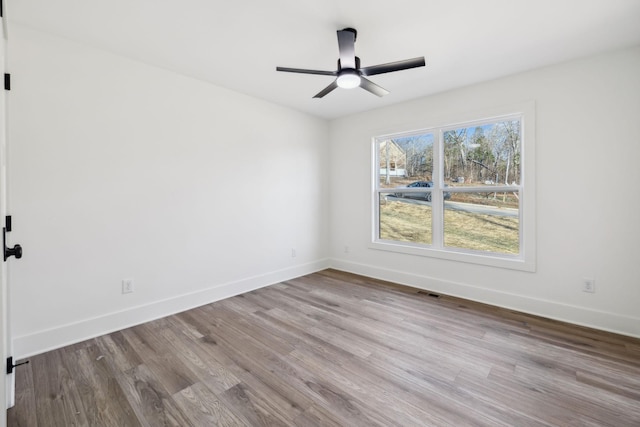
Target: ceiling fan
[349, 73]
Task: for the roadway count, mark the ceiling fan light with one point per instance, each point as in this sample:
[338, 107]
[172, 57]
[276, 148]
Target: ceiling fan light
[348, 79]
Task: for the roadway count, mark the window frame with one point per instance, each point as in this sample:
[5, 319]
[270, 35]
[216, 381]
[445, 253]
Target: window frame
[525, 260]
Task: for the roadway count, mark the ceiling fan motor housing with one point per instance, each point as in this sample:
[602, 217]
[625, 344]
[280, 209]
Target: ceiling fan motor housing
[357, 65]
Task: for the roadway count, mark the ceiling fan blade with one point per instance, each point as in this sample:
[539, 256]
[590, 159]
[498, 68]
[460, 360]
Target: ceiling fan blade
[347, 48]
[393, 66]
[327, 89]
[372, 87]
[304, 71]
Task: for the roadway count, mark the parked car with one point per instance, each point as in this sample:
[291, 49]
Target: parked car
[417, 195]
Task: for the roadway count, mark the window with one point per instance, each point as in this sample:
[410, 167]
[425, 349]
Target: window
[461, 194]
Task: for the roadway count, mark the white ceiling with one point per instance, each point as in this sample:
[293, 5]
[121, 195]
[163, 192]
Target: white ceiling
[238, 43]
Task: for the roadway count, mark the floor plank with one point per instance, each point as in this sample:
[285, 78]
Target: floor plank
[337, 349]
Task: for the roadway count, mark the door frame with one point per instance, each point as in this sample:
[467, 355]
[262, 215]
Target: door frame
[7, 383]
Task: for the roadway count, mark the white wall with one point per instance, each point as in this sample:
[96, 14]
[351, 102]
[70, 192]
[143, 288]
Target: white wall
[587, 190]
[122, 170]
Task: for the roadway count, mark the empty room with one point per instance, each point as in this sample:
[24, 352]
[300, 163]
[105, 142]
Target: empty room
[320, 213]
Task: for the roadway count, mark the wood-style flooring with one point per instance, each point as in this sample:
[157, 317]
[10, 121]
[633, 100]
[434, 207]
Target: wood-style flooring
[335, 349]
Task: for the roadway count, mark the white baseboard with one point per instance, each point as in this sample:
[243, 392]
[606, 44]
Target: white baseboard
[605, 321]
[60, 336]
[42, 341]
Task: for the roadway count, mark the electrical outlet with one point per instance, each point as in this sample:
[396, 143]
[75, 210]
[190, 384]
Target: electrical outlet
[346, 249]
[293, 253]
[127, 286]
[589, 285]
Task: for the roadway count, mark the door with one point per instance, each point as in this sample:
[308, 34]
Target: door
[5, 383]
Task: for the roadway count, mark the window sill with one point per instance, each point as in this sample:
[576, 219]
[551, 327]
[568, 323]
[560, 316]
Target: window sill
[514, 262]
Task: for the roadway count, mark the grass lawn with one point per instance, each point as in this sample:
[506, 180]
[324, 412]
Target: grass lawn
[406, 222]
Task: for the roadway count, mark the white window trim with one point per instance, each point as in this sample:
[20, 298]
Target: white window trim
[526, 259]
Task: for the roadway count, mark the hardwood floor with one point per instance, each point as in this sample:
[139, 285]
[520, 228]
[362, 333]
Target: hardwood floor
[334, 349]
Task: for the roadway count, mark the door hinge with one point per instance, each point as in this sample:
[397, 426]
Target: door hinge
[10, 364]
[7, 80]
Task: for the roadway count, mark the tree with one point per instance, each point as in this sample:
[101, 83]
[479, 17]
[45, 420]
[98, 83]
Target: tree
[506, 149]
[481, 155]
[455, 158]
[419, 154]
